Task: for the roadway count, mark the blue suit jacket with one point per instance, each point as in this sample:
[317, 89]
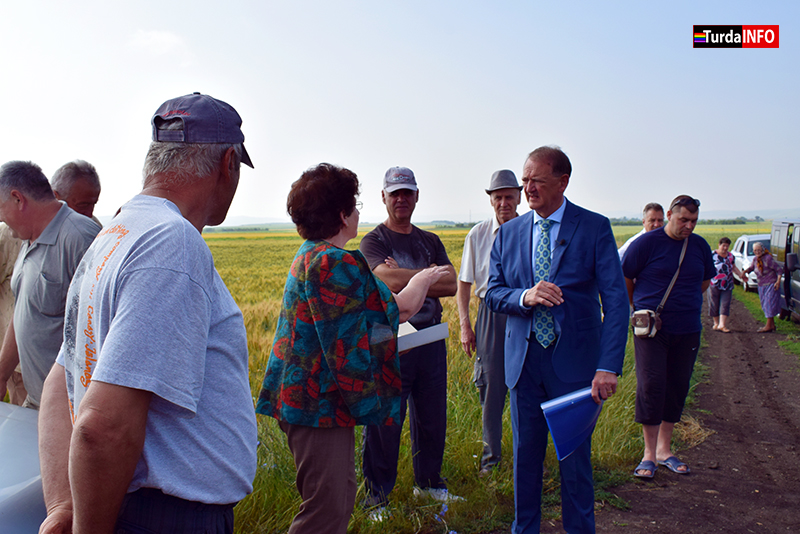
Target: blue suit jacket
[585, 265]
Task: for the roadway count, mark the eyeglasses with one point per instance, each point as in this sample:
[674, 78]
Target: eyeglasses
[685, 201]
[359, 205]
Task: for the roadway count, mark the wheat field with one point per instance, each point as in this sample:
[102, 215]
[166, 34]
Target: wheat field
[254, 267]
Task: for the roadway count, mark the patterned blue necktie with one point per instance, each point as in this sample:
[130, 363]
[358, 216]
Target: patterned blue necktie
[543, 325]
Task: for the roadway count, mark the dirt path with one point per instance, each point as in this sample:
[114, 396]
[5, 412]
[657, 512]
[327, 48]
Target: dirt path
[746, 476]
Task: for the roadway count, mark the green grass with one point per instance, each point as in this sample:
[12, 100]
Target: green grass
[791, 330]
[255, 265]
[711, 232]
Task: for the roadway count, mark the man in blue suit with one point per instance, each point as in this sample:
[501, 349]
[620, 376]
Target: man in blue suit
[553, 271]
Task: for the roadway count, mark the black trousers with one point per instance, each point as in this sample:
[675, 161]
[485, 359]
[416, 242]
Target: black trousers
[424, 376]
[664, 366]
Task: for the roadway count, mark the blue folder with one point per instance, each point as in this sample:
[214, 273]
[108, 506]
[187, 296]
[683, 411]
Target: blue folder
[571, 419]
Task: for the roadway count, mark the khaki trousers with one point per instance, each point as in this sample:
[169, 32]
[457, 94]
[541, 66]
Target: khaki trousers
[326, 477]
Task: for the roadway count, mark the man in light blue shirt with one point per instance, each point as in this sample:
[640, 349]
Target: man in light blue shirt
[147, 420]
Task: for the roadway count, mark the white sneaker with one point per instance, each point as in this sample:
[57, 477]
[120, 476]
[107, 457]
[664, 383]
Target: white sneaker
[437, 494]
[379, 514]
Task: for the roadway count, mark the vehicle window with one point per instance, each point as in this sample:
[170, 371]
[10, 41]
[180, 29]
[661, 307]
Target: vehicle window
[779, 237]
[796, 240]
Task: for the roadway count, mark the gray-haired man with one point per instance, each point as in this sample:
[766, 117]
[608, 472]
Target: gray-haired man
[504, 194]
[54, 241]
[77, 184]
[154, 427]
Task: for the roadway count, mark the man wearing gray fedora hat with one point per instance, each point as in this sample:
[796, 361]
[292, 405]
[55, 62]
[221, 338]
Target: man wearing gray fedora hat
[487, 338]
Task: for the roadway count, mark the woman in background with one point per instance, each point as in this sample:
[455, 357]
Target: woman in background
[768, 273]
[721, 288]
[334, 361]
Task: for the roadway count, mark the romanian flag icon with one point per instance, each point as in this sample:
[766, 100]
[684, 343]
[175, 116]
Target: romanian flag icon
[700, 38]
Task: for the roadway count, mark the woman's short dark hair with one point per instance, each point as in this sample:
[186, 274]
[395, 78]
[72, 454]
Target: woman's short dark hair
[318, 198]
[724, 240]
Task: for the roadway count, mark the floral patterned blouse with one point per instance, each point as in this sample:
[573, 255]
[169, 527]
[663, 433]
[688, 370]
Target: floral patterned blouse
[724, 279]
[334, 361]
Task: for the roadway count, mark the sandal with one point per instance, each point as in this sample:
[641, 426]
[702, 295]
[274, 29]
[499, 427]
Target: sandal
[672, 463]
[646, 465]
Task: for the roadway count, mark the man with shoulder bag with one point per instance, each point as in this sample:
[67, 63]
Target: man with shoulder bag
[666, 272]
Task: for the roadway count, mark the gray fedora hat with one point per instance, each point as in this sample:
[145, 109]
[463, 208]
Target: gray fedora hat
[504, 179]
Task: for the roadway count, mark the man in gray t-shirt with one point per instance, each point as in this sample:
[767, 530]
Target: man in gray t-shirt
[54, 241]
[154, 428]
[396, 250]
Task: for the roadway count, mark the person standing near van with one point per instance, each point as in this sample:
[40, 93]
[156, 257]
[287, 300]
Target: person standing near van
[768, 273]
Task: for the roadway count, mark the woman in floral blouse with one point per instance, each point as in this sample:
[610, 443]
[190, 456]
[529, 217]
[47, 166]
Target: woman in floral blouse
[768, 273]
[721, 288]
[334, 361]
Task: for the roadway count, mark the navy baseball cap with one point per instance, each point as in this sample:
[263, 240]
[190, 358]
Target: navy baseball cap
[205, 120]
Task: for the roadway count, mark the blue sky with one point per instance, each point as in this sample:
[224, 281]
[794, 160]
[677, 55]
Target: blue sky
[453, 90]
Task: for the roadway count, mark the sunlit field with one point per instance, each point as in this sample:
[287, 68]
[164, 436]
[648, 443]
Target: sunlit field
[255, 265]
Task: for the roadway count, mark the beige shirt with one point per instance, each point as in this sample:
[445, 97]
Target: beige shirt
[475, 257]
[9, 248]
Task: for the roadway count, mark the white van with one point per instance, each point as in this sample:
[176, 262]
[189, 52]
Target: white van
[786, 248]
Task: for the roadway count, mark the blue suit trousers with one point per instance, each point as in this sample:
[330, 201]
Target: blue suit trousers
[538, 383]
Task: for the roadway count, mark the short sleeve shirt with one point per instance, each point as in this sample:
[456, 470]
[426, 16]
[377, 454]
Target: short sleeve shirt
[651, 260]
[40, 282]
[475, 257]
[416, 250]
[148, 310]
[723, 280]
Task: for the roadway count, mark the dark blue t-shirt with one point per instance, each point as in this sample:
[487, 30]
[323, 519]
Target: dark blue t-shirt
[652, 260]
